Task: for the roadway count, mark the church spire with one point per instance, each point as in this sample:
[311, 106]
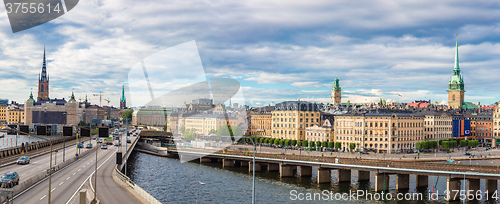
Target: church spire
[122, 99]
[456, 67]
[43, 77]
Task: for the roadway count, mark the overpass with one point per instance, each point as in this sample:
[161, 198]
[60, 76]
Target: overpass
[291, 165]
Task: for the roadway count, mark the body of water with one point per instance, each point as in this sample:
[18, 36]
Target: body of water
[171, 181]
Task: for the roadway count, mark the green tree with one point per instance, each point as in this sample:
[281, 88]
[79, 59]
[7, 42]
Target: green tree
[277, 141]
[324, 144]
[182, 129]
[227, 130]
[318, 144]
[425, 145]
[212, 131]
[282, 142]
[331, 145]
[189, 135]
[312, 144]
[418, 145]
[338, 145]
[288, 142]
[127, 115]
[352, 146]
[445, 144]
[463, 143]
[294, 142]
[305, 143]
[433, 144]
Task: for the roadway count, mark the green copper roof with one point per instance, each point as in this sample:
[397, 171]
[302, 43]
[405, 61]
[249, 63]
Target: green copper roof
[31, 98]
[470, 105]
[72, 97]
[336, 83]
[456, 79]
[122, 99]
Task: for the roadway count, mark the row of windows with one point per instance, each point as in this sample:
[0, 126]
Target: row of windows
[377, 124]
[294, 114]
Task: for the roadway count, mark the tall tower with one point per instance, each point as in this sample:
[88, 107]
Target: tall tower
[456, 86]
[43, 81]
[123, 102]
[336, 92]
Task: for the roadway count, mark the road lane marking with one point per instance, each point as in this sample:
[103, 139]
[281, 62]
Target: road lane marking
[43, 197]
[53, 189]
[89, 178]
[83, 166]
[79, 169]
[68, 178]
[74, 173]
[61, 183]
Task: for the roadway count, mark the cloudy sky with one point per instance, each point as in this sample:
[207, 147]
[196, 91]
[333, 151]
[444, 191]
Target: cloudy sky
[277, 50]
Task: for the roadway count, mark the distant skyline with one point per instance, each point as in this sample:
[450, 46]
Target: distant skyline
[278, 51]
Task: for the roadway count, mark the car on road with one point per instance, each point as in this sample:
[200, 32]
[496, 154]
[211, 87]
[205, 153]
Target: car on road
[117, 143]
[128, 140]
[104, 146]
[99, 140]
[89, 145]
[23, 160]
[467, 153]
[80, 145]
[9, 179]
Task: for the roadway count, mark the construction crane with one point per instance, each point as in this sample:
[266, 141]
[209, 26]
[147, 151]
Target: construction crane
[100, 97]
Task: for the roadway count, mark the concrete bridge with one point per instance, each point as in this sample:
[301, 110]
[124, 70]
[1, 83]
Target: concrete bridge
[289, 166]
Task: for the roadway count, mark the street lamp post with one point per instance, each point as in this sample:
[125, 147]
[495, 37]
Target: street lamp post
[50, 162]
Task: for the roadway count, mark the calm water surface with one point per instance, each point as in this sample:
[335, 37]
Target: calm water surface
[171, 181]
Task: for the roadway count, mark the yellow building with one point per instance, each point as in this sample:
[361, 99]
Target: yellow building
[291, 118]
[3, 112]
[202, 124]
[15, 115]
[261, 124]
[380, 132]
[320, 133]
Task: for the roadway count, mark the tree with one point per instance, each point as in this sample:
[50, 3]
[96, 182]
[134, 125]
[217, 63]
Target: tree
[445, 144]
[287, 142]
[324, 144]
[312, 144]
[282, 142]
[433, 144]
[294, 142]
[425, 145]
[277, 141]
[227, 130]
[418, 145]
[212, 131]
[182, 129]
[338, 145]
[127, 115]
[305, 143]
[473, 143]
[189, 135]
[331, 145]
[318, 144]
[463, 143]
[165, 127]
[452, 143]
[352, 146]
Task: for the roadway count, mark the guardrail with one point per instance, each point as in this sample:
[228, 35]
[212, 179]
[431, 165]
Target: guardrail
[125, 181]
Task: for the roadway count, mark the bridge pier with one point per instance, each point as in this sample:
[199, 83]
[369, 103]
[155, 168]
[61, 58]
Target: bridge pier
[227, 163]
[305, 171]
[473, 186]
[245, 163]
[491, 186]
[453, 187]
[422, 181]
[273, 167]
[285, 170]
[205, 160]
[324, 175]
[257, 166]
[344, 175]
[363, 175]
[381, 182]
[403, 181]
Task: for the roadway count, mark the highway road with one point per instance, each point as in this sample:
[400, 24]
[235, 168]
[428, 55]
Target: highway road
[67, 182]
[41, 163]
